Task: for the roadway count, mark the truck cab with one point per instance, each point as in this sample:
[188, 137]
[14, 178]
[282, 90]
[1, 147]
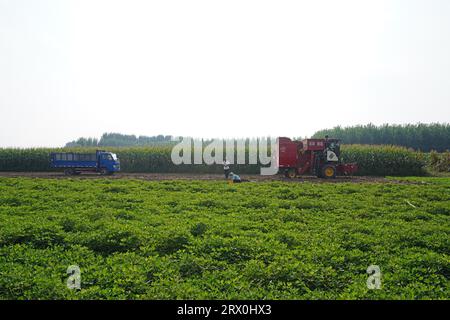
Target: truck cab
[107, 162]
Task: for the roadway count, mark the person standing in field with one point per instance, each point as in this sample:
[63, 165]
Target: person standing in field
[226, 168]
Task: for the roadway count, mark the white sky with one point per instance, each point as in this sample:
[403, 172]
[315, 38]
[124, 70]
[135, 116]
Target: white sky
[218, 68]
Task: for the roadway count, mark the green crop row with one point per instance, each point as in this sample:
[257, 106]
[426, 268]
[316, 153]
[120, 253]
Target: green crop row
[372, 160]
[210, 240]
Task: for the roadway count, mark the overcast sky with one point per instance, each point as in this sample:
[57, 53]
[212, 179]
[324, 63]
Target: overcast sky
[218, 68]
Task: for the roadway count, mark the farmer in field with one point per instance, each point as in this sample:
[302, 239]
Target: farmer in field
[226, 168]
[235, 178]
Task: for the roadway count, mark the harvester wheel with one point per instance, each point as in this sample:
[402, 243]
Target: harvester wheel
[290, 173]
[328, 171]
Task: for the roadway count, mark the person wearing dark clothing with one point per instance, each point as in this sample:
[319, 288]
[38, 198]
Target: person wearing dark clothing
[226, 168]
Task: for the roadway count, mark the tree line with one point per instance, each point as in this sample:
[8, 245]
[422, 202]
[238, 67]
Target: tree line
[120, 140]
[421, 136]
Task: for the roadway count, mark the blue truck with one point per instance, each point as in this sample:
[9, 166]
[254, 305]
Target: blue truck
[106, 163]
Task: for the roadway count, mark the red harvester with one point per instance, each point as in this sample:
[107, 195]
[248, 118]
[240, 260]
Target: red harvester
[320, 157]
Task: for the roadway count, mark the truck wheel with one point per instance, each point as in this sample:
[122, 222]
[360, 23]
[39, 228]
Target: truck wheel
[290, 173]
[68, 172]
[328, 171]
[104, 171]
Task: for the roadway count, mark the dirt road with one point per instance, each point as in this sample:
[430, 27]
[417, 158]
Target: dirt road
[193, 176]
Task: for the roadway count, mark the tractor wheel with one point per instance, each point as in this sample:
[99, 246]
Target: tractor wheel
[290, 173]
[328, 171]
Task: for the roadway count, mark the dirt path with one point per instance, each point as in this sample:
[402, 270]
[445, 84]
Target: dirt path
[199, 176]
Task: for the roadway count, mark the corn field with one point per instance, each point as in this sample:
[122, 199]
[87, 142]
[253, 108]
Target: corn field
[383, 160]
[372, 160]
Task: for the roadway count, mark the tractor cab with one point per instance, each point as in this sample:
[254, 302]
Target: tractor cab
[332, 151]
[334, 145]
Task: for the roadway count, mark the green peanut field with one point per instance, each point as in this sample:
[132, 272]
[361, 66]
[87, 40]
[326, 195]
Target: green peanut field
[134, 239]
